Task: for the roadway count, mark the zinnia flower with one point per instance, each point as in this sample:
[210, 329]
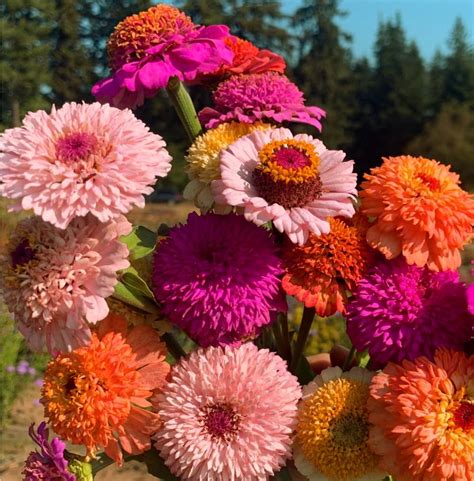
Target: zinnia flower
[228, 415]
[402, 312]
[55, 281]
[267, 97]
[80, 159]
[98, 395]
[470, 294]
[423, 417]
[320, 272]
[332, 433]
[217, 278]
[293, 181]
[49, 463]
[420, 212]
[149, 48]
[203, 161]
[248, 59]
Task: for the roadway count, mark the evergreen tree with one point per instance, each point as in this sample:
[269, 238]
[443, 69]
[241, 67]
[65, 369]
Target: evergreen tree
[24, 73]
[436, 83]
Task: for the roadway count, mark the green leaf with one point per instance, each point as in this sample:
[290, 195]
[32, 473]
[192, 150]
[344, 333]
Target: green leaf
[283, 475]
[363, 359]
[132, 279]
[304, 373]
[133, 297]
[140, 242]
[156, 466]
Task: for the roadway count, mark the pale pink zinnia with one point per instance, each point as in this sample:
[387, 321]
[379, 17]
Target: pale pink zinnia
[291, 180]
[55, 281]
[80, 159]
[228, 415]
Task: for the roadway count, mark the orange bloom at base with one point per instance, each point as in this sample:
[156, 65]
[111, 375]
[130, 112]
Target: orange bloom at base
[423, 417]
[420, 212]
[98, 395]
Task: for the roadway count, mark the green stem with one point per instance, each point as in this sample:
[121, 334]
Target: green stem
[184, 107]
[349, 359]
[283, 321]
[101, 462]
[174, 347]
[303, 332]
[278, 337]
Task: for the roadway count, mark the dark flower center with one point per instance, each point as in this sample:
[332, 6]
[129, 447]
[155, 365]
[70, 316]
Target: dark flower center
[75, 146]
[220, 420]
[464, 416]
[22, 254]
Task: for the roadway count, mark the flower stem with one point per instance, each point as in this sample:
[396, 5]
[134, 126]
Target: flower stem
[184, 107]
[349, 359]
[305, 327]
[174, 347]
[286, 347]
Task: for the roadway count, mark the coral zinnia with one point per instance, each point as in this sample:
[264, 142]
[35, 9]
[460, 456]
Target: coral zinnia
[332, 433]
[402, 312]
[423, 417]
[420, 212]
[48, 464]
[320, 272]
[97, 395]
[228, 414]
[203, 161]
[55, 281]
[268, 97]
[81, 159]
[149, 48]
[293, 181]
[217, 278]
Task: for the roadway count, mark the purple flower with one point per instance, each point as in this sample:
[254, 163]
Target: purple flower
[38, 382]
[10, 369]
[47, 464]
[218, 278]
[402, 311]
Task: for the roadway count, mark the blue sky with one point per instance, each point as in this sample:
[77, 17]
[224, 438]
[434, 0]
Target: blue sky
[428, 22]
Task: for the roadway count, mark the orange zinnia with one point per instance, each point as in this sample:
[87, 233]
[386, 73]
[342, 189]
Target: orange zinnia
[97, 395]
[420, 212]
[320, 272]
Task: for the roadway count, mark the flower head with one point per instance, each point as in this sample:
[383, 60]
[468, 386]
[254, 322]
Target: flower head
[149, 48]
[203, 159]
[80, 159]
[267, 97]
[217, 278]
[470, 294]
[420, 212]
[320, 272]
[332, 433]
[402, 312]
[55, 281]
[293, 181]
[423, 418]
[97, 395]
[228, 414]
[49, 463]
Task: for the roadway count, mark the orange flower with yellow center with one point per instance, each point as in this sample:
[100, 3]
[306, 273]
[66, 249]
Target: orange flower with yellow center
[419, 211]
[333, 429]
[133, 36]
[320, 272]
[423, 418]
[98, 395]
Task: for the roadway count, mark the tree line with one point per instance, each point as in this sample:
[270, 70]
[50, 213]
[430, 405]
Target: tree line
[395, 103]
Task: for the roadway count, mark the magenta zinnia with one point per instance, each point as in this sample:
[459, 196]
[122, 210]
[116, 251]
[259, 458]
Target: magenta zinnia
[55, 281]
[268, 97]
[80, 159]
[402, 311]
[217, 278]
[228, 414]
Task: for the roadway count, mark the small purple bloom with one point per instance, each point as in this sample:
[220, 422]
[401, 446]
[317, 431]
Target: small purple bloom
[10, 369]
[38, 382]
[22, 369]
[31, 371]
[47, 463]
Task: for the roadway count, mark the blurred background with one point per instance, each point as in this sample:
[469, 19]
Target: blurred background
[395, 76]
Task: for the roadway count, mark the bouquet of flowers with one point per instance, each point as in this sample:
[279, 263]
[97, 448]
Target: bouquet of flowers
[172, 347]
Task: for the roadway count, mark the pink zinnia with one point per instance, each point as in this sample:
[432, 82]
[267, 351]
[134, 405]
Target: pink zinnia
[218, 278]
[147, 49]
[267, 97]
[80, 159]
[228, 415]
[402, 311]
[56, 281]
[470, 294]
[292, 181]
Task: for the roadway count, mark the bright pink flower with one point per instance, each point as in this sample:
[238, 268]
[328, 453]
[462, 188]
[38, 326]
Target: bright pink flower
[292, 181]
[55, 281]
[228, 415]
[80, 159]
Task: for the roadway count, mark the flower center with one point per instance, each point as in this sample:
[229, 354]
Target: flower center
[76, 146]
[22, 254]
[220, 420]
[429, 181]
[349, 430]
[464, 416]
[288, 173]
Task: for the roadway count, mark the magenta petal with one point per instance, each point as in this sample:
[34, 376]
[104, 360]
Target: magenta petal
[154, 75]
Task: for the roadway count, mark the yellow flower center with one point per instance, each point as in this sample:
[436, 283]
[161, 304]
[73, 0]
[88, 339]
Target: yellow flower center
[333, 430]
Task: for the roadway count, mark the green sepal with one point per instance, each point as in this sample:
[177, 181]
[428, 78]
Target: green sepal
[140, 242]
